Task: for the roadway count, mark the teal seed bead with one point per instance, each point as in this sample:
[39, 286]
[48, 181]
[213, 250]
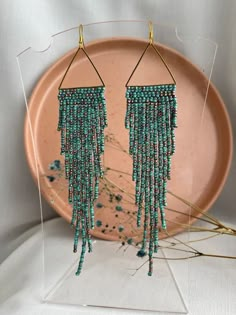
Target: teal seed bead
[119, 208]
[120, 228]
[92, 217]
[90, 248]
[82, 145]
[151, 131]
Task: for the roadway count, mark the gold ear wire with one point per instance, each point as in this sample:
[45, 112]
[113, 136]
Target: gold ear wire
[81, 47]
[151, 44]
[81, 36]
[150, 32]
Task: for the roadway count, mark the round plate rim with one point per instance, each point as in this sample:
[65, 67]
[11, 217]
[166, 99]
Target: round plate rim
[32, 160]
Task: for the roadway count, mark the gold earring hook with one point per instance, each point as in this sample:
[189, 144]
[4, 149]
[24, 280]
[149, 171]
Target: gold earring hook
[150, 44]
[150, 32]
[80, 48]
[81, 36]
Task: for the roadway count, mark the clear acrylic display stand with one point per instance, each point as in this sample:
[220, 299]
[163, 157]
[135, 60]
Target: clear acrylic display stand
[108, 278]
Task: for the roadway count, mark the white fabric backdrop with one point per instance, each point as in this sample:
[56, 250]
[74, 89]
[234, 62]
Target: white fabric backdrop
[26, 23]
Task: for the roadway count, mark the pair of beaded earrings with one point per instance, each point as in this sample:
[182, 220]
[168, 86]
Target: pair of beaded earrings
[151, 120]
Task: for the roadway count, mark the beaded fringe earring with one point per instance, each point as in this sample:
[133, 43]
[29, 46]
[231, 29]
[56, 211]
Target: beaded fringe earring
[82, 119]
[151, 120]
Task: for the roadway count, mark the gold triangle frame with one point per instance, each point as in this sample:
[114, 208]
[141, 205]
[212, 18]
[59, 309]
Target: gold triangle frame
[150, 44]
[81, 47]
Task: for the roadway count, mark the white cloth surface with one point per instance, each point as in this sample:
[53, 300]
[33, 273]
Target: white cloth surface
[25, 23]
[211, 284]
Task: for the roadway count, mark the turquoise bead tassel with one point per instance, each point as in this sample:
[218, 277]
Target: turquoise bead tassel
[151, 118]
[82, 119]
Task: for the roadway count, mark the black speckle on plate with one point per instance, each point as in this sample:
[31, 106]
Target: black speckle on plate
[51, 178]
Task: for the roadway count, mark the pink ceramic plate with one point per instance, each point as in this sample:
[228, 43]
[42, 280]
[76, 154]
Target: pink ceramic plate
[203, 143]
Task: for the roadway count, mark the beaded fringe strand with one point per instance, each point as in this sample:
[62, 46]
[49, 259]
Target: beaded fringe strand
[82, 119]
[151, 119]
